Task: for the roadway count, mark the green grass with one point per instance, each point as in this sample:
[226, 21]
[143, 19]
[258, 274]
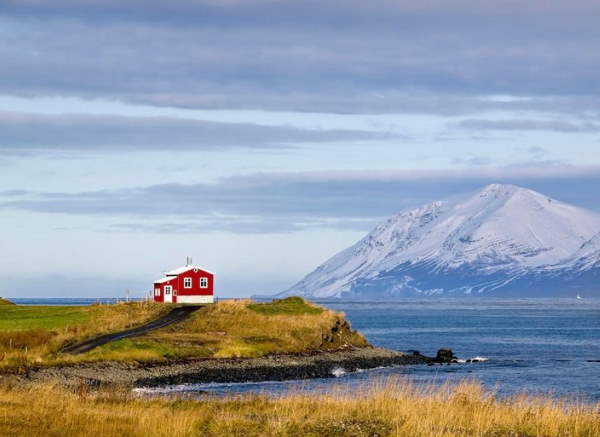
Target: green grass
[5, 301]
[20, 318]
[138, 349]
[290, 306]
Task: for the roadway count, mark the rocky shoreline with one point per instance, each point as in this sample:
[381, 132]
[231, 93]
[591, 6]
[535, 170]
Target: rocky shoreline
[270, 368]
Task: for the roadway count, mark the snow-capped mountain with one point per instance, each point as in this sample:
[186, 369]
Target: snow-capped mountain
[502, 240]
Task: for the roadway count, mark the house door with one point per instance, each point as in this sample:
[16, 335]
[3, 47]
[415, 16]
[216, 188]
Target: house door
[168, 293]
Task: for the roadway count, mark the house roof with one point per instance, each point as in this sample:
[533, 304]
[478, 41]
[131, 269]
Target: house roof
[161, 280]
[184, 269]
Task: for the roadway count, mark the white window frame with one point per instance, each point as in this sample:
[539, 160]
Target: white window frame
[203, 282]
[168, 289]
[157, 292]
[187, 282]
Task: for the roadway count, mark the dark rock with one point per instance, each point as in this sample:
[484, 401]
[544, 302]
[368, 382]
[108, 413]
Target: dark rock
[445, 356]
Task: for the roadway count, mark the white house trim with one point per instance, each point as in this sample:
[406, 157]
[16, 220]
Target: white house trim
[195, 299]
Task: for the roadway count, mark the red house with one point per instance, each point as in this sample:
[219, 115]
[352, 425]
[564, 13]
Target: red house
[189, 284]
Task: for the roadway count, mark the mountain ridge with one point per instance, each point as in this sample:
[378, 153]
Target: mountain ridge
[492, 240]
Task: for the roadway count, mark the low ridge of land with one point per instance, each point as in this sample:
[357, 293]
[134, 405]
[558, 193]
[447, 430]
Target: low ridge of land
[36, 336]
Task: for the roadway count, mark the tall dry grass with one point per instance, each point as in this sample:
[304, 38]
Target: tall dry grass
[393, 408]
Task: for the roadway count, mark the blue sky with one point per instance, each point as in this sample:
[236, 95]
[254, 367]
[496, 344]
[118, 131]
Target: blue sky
[261, 137]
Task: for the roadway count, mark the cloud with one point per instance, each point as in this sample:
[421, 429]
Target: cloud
[243, 225]
[536, 151]
[473, 161]
[287, 202]
[530, 125]
[21, 132]
[327, 56]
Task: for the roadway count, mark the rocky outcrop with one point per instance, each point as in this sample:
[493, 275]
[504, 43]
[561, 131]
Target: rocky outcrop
[445, 356]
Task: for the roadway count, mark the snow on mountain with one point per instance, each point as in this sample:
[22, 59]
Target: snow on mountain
[586, 257]
[500, 235]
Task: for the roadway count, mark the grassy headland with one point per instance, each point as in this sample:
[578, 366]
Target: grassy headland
[239, 329]
[33, 335]
[390, 409]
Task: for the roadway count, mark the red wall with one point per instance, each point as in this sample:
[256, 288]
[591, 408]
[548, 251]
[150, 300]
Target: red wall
[179, 290]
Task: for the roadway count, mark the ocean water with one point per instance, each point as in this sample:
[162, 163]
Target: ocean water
[549, 347]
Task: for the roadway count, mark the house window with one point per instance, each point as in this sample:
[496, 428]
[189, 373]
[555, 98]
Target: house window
[168, 289]
[187, 282]
[203, 282]
[157, 291]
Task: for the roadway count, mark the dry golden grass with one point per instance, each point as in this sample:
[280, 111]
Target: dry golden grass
[33, 335]
[389, 409]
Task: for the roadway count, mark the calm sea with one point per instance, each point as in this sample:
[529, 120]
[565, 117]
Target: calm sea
[539, 346]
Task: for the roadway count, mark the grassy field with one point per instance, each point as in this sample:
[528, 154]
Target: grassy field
[393, 408]
[18, 318]
[33, 335]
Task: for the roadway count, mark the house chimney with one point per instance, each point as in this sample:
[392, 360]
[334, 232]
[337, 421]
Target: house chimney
[188, 261]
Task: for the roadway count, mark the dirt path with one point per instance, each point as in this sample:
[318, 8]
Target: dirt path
[176, 315]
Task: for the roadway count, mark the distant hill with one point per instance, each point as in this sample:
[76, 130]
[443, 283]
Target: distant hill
[501, 241]
[5, 301]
